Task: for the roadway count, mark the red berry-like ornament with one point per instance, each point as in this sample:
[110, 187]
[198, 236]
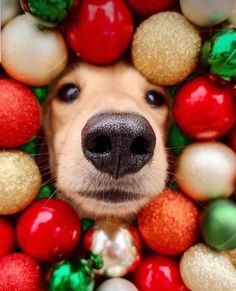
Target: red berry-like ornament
[233, 138]
[204, 110]
[101, 31]
[158, 273]
[7, 237]
[19, 272]
[19, 114]
[48, 230]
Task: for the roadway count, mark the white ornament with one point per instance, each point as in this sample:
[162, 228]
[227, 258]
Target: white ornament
[117, 284]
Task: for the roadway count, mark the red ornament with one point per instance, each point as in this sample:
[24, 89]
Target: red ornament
[48, 230]
[19, 272]
[19, 114]
[7, 237]
[158, 273]
[169, 223]
[101, 30]
[204, 110]
[150, 7]
[233, 138]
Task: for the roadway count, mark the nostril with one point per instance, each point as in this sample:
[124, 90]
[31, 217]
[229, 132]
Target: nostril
[100, 145]
[139, 146]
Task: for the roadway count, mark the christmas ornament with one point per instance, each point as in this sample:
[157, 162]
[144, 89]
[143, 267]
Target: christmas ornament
[150, 7]
[31, 55]
[117, 245]
[117, 284]
[47, 191]
[233, 138]
[204, 110]
[169, 223]
[10, 8]
[48, 230]
[165, 48]
[206, 170]
[19, 181]
[41, 93]
[49, 13]
[19, 114]
[158, 273]
[218, 224]
[219, 54]
[205, 269]
[206, 13]
[74, 275]
[108, 24]
[7, 237]
[177, 140]
[232, 18]
[31, 148]
[19, 272]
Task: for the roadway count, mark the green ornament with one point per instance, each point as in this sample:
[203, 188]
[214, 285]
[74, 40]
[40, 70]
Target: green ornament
[219, 53]
[218, 224]
[47, 191]
[48, 12]
[41, 93]
[31, 148]
[177, 140]
[86, 224]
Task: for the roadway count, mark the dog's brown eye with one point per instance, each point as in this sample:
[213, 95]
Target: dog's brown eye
[68, 93]
[155, 98]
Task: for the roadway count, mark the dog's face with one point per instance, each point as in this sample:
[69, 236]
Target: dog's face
[106, 129]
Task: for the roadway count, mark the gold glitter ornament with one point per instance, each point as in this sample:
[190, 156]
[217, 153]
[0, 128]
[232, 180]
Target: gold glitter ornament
[204, 269]
[20, 181]
[166, 48]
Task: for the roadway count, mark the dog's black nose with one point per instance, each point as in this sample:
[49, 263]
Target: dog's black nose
[118, 143]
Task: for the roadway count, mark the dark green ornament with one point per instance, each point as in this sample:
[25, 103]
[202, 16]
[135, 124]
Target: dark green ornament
[86, 224]
[31, 148]
[47, 191]
[219, 53]
[41, 93]
[177, 140]
[218, 224]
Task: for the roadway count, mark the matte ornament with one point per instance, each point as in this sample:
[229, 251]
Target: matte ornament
[117, 284]
[219, 54]
[9, 8]
[206, 13]
[205, 269]
[166, 48]
[218, 224]
[177, 140]
[20, 181]
[207, 170]
[7, 237]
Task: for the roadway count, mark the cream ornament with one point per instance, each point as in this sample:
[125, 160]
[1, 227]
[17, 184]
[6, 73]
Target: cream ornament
[117, 284]
[9, 8]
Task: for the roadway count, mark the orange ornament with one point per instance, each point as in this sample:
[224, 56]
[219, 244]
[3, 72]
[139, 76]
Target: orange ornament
[169, 223]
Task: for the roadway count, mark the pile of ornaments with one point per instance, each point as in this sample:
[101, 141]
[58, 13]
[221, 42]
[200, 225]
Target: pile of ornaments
[185, 238]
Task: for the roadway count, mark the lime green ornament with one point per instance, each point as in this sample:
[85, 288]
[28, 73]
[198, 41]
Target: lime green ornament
[31, 148]
[218, 224]
[177, 140]
[219, 53]
[41, 93]
[47, 191]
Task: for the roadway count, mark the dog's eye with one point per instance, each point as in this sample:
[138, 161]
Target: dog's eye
[155, 98]
[68, 93]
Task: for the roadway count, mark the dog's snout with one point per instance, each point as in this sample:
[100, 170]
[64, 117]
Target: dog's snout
[118, 143]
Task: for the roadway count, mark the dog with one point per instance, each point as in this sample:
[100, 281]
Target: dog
[106, 129]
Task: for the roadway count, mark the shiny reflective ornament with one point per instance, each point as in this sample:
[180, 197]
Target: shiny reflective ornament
[219, 54]
[20, 181]
[7, 237]
[177, 140]
[118, 246]
[47, 12]
[166, 48]
[9, 8]
[117, 284]
[31, 55]
[207, 170]
[206, 13]
[218, 224]
[41, 93]
[47, 191]
[207, 270]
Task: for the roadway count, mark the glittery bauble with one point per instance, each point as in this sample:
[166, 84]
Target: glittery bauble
[219, 54]
[169, 223]
[7, 237]
[203, 269]
[19, 181]
[31, 55]
[9, 8]
[47, 12]
[177, 140]
[19, 272]
[206, 13]
[165, 48]
[218, 224]
[117, 284]
[19, 114]
[116, 244]
[206, 170]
